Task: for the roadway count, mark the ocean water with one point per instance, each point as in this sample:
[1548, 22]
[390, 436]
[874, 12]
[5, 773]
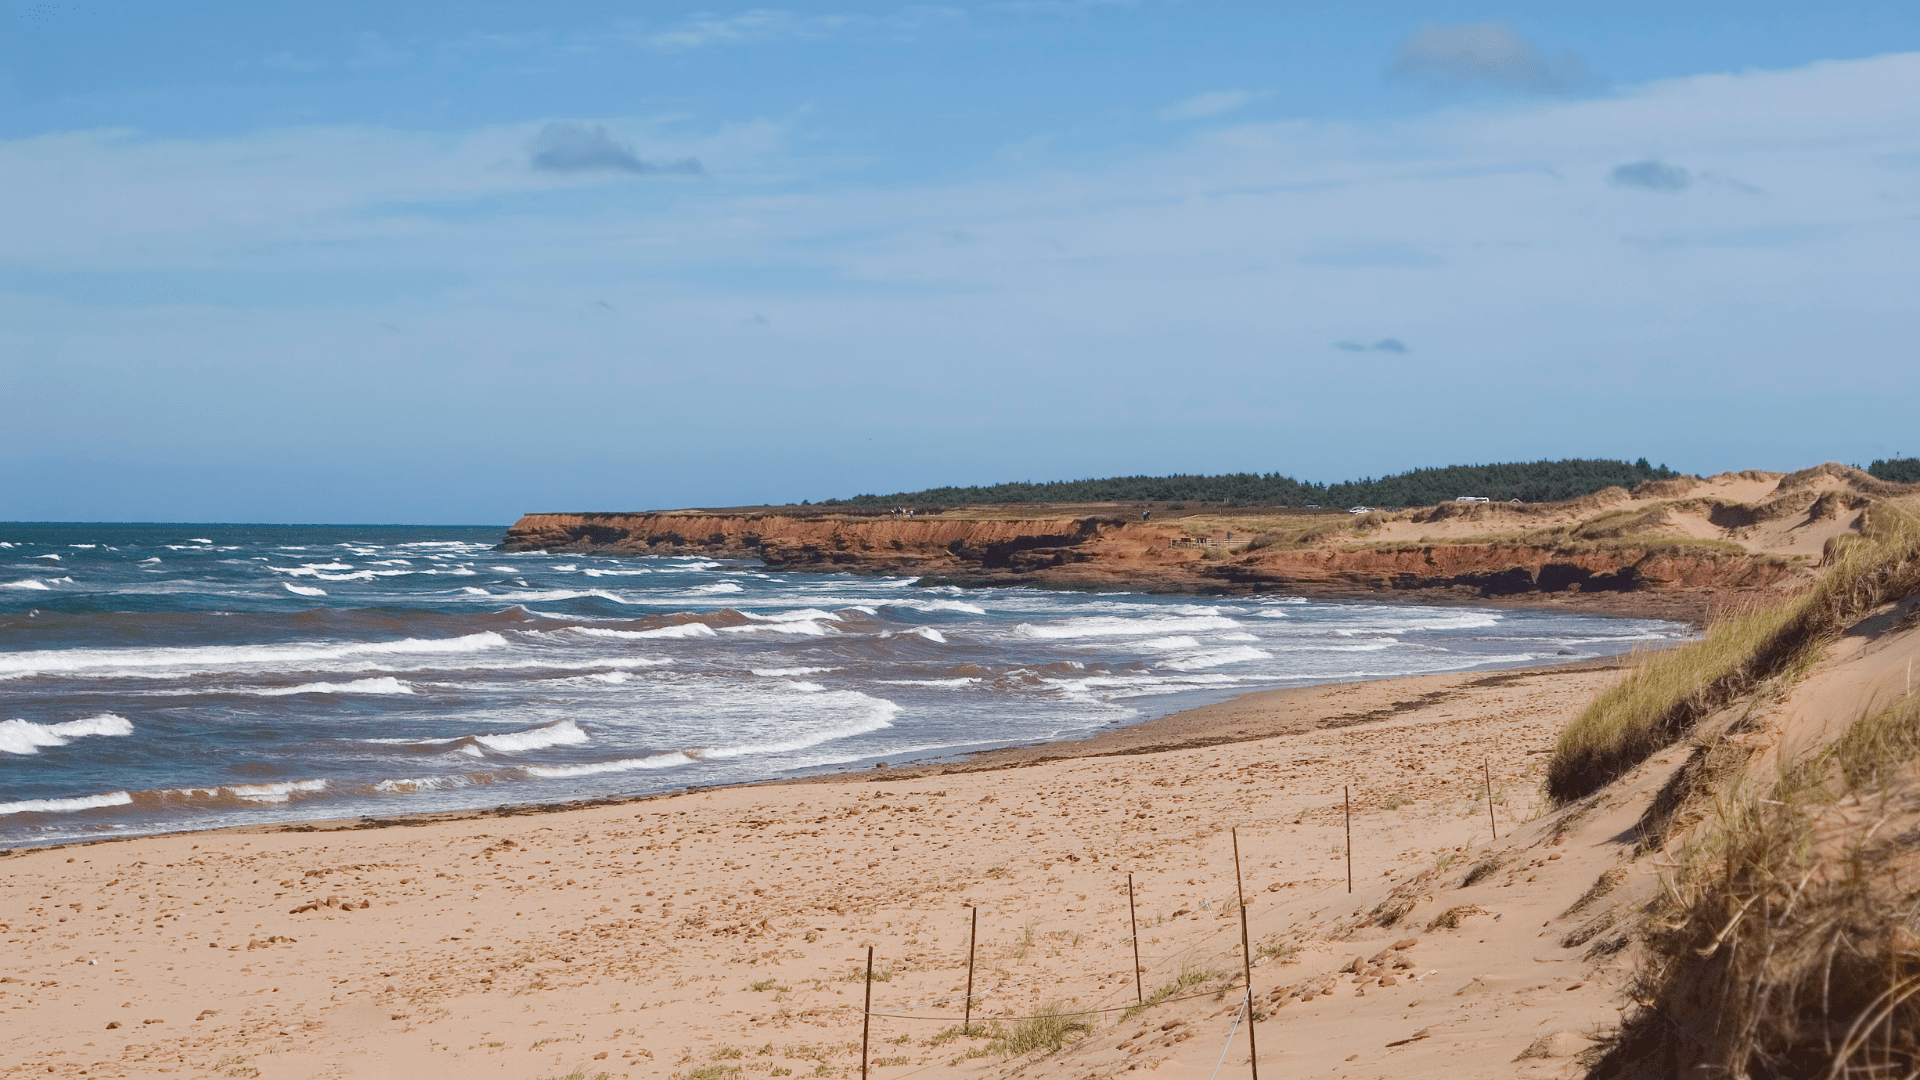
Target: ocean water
[167, 677]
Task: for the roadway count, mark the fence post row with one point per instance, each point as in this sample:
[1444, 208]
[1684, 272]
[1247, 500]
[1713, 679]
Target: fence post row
[866, 1016]
[1133, 923]
[1246, 957]
[1487, 768]
[973, 938]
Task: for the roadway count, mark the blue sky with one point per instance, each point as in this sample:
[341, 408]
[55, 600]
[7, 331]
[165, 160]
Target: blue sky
[451, 262]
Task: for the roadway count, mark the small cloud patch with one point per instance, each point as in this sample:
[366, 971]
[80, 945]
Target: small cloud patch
[1392, 345]
[1651, 175]
[1491, 54]
[575, 148]
[1212, 103]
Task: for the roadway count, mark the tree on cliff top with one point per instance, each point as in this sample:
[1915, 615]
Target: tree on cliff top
[1535, 481]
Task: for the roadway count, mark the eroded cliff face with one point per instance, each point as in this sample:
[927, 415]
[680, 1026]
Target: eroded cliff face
[1111, 553]
[859, 544]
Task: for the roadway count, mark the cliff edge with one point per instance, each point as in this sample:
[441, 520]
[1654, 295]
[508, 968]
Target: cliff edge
[1676, 548]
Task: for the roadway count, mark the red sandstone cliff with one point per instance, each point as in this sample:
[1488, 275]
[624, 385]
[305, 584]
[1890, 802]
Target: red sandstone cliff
[1092, 552]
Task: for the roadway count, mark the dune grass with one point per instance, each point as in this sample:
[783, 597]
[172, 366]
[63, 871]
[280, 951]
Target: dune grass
[1785, 943]
[1662, 699]
[1046, 1031]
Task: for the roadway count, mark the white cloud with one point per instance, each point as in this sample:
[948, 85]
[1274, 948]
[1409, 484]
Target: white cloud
[1492, 241]
[768, 25]
[1211, 103]
[1488, 54]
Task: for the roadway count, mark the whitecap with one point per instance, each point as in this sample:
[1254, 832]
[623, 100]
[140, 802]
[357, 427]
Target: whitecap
[143, 662]
[777, 672]
[1239, 654]
[799, 615]
[302, 590]
[930, 634]
[678, 630]
[27, 737]
[275, 793]
[807, 628]
[719, 587]
[1113, 626]
[667, 760]
[57, 806]
[385, 685]
[563, 733]
[28, 583]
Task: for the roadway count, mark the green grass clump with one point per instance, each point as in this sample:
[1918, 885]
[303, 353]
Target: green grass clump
[1046, 1031]
[1663, 698]
[1186, 980]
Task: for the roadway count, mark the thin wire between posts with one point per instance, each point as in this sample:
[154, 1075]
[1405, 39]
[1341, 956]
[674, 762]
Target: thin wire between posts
[1229, 1043]
[1081, 1012]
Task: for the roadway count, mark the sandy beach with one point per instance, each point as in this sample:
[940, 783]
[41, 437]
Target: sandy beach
[700, 933]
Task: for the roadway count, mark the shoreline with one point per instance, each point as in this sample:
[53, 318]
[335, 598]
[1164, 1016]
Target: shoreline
[707, 931]
[1247, 717]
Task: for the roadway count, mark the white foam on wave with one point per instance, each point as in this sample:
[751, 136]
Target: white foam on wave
[1115, 626]
[198, 540]
[668, 760]
[929, 633]
[678, 630]
[55, 558]
[806, 687]
[592, 572]
[1238, 637]
[774, 673]
[563, 733]
[945, 683]
[270, 793]
[937, 605]
[149, 663]
[797, 615]
[806, 628]
[1168, 643]
[853, 712]
[302, 590]
[60, 806]
[414, 784]
[28, 583]
[1238, 654]
[385, 685]
[720, 587]
[27, 737]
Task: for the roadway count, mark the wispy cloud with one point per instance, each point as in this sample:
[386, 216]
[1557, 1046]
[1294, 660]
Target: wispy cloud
[1211, 103]
[1652, 175]
[572, 148]
[1387, 345]
[770, 25]
[1491, 54]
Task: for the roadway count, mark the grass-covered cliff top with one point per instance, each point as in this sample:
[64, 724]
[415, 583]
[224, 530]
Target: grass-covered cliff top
[1533, 481]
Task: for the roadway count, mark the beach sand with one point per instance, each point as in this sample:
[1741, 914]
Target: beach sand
[696, 934]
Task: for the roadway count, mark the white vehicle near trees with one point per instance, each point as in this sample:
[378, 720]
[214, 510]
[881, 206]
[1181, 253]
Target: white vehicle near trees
[1473, 499]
